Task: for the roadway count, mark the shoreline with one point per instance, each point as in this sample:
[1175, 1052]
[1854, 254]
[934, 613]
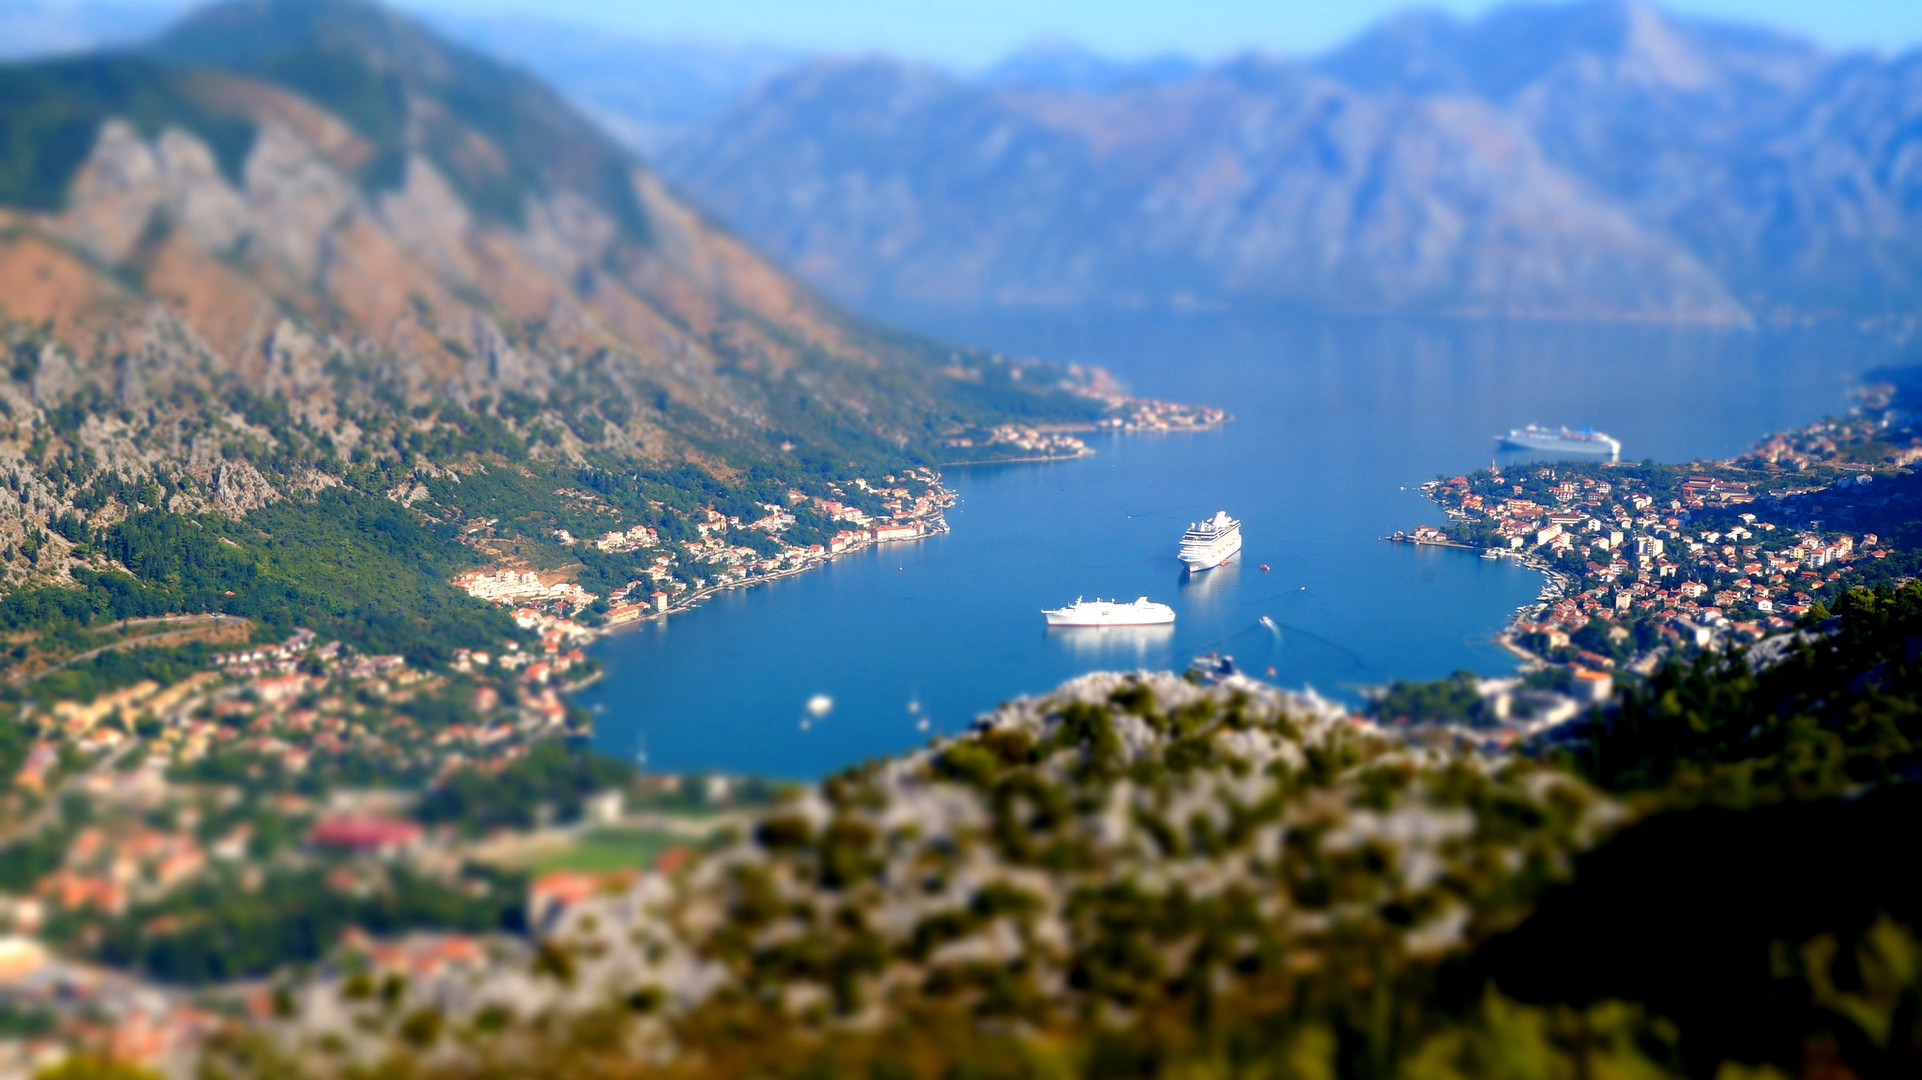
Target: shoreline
[1086, 452]
[1553, 580]
[1039, 459]
[1223, 420]
[936, 523]
[1097, 429]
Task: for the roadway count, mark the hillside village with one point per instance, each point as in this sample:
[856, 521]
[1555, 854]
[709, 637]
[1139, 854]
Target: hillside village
[678, 574]
[146, 819]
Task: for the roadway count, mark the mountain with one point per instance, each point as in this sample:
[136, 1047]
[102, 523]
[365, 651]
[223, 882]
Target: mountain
[1258, 181]
[1055, 64]
[1792, 173]
[647, 93]
[1614, 46]
[296, 246]
[1590, 160]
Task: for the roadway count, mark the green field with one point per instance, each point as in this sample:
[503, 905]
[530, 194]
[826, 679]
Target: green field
[612, 848]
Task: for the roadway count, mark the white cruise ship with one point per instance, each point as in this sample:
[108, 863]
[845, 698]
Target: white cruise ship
[1211, 543]
[1562, 441]
[1143, 612]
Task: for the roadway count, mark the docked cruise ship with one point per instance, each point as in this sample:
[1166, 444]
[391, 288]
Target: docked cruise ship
[1143, 612]
[1211, 543]
[1562, 440]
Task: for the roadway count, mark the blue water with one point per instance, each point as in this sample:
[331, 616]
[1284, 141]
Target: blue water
[1336, 423]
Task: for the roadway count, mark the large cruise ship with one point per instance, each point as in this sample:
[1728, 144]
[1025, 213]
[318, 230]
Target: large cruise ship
[1562, 440]
[1211, 543]
[1143, 612]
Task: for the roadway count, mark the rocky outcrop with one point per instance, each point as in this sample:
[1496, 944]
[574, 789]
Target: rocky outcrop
[1014, 861]
[434, 237]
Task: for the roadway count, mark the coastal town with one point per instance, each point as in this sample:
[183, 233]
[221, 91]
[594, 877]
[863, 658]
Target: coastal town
[716, 554]
[718, 551]
[1643, 563]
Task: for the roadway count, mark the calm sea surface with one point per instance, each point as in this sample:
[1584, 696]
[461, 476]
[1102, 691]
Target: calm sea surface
[1336, 423]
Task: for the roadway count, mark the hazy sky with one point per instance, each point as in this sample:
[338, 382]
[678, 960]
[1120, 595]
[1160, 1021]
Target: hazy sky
[967, 33]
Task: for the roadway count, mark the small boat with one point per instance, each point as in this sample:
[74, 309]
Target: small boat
[1213, 667]
[1264, 568]
[1490, 553]
[1267, 622]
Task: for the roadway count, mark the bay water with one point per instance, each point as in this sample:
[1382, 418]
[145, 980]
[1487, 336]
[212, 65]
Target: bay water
[1336, 423]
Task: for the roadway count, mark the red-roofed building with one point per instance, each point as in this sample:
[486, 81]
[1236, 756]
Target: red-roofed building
[365, 835]
[549, 895]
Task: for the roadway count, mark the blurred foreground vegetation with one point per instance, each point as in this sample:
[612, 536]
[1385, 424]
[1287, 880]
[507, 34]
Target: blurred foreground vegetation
[1746, 910]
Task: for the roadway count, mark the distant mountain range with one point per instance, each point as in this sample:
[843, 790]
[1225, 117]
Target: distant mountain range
[1056, 64]
[1599, 159]
[648, 93]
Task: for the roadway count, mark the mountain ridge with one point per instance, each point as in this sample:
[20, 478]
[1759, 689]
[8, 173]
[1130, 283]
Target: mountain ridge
[646, 92]
[1592, 160]
[1257, 182]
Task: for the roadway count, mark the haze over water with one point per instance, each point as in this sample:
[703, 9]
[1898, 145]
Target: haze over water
[1336, 423]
